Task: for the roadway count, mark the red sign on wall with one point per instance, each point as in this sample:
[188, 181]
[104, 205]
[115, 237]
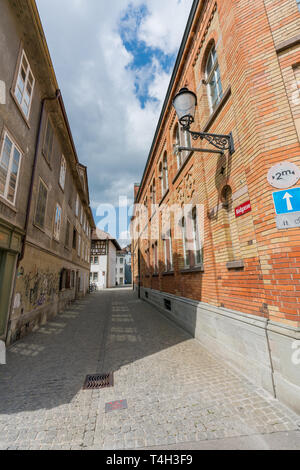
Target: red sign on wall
[243, 209]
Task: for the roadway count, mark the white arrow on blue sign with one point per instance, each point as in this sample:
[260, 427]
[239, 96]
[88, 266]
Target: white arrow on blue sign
[287, 201]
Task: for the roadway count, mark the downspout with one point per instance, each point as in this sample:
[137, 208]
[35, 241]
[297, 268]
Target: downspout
[37, 146]
[270, 357]
[107, 265]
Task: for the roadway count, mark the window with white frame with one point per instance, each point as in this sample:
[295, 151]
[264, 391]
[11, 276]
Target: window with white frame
[181, 139]
[24, 85]
[213, 79]
[10, 160]
[153, 197]
[79, 245]
[192, 245]
[185, 242]
[155, 258]
[197, 252]
[62, 175]
[168, 251]
[48, 141]
[77, 205]
[57, 222]
[40, 211]
[163, 174]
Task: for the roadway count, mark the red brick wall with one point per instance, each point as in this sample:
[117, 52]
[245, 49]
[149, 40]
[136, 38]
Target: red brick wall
[263, 112]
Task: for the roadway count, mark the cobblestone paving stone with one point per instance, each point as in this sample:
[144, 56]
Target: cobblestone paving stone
[176, 391]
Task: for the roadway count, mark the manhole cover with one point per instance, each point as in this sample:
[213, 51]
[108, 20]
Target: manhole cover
[98, 381]
[116, 405]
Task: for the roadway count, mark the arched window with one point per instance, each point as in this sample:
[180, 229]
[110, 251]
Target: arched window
[176, 145]
[161, 177]
[153, 197]
[181, 138]
[153, 193]
[165, 172]
[213, 79]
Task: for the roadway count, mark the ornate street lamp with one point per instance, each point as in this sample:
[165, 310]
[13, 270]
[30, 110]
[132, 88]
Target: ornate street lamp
[185, 103]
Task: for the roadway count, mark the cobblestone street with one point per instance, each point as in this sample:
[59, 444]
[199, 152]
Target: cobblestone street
[176, 392]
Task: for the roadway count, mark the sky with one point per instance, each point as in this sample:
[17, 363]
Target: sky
[113, 61]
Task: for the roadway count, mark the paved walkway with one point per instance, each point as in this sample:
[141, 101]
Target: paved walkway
[178, 395]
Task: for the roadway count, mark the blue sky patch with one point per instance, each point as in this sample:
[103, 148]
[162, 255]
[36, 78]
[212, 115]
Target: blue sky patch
[142, 54]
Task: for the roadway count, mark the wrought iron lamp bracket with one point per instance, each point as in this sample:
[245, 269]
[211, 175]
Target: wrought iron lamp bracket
[220, 141]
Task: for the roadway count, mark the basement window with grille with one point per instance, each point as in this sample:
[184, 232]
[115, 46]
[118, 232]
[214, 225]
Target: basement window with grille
[167, 303]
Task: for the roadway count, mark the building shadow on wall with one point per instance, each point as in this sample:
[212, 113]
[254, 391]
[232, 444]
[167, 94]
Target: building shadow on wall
[47, 368]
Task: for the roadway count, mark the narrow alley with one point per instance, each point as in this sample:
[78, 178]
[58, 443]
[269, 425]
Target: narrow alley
[178, 395]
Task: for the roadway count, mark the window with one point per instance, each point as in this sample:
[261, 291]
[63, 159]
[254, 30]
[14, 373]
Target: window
[121, 270]
[67, 240]
[48, 141]
[57, 222]
[184, 240]
[9, 169]
[40, 212]
[153, 197]
[81, 214]
[168, 251]
[181, 139]
[213, 79]
[96, 260]
[79, 245]
[74, 239]
[62, 175]
[77, 205]
[121, 280]
[192, 249]
[298, 3]
[197, 255]
[95, 276]
[155, 258]
[24, 85]
[121, 260]
[163, 174]
[62, 279]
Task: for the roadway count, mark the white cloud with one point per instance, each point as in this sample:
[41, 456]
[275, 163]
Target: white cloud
[165, 25]
[112, 131]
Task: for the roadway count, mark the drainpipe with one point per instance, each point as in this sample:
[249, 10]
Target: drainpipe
[107, 266]
[270, 357]
[37, 146]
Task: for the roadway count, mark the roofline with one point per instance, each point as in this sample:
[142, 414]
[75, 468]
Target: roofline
[172, 81]
[43, 41]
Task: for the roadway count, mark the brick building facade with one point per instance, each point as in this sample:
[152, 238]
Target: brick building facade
[237, 290]
[45, 216]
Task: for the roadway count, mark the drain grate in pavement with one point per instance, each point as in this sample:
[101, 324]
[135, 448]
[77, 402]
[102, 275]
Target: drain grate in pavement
[96, 381]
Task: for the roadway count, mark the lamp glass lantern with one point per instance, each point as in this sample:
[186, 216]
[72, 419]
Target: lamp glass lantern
[185, 103]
